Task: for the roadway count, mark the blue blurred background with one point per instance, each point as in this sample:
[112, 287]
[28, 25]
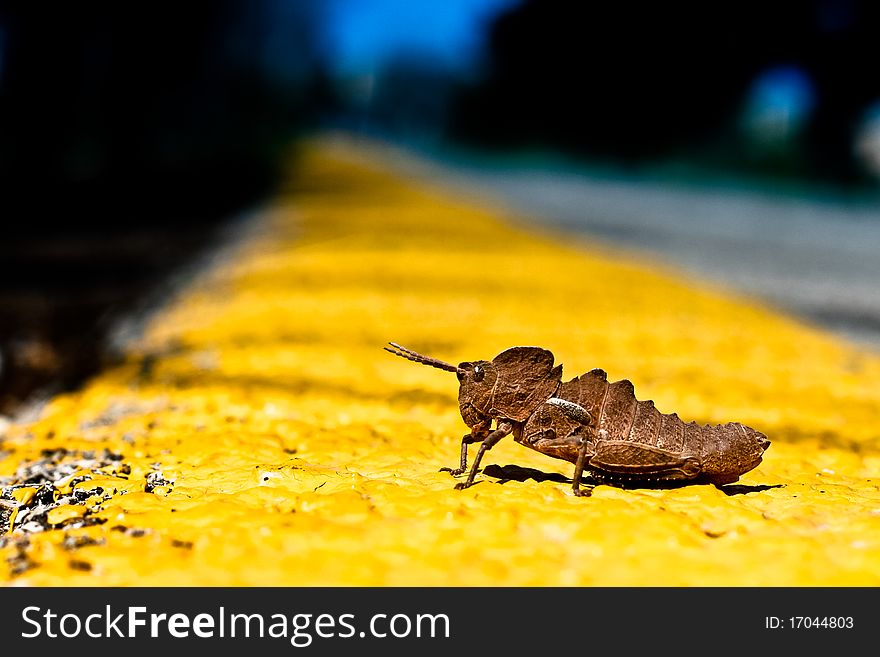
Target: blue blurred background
[133, 132]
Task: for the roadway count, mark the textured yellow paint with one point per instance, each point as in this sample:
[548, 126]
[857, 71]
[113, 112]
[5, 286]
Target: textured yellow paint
[297, 452]
[62, 514]
[24, 495]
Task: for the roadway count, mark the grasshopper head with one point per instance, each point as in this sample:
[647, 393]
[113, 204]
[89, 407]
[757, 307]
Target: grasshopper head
[512, 385]
[476, 383]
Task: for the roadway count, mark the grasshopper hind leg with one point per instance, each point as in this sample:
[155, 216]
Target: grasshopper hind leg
[576, 448]
[625, 462]
[586, 491]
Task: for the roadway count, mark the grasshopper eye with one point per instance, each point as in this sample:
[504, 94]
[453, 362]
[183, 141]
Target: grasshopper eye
[479, 373]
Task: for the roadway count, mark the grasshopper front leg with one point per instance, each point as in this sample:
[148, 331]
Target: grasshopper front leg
[478, 433]
[466, 440]
[504, 429]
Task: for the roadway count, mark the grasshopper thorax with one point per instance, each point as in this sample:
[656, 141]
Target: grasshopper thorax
[514, 385]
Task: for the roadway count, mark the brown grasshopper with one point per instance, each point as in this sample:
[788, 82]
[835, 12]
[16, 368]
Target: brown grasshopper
[599, 426]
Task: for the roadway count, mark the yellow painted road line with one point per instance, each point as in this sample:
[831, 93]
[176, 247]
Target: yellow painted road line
[281, 446]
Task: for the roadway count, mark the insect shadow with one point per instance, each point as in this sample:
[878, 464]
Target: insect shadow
[743, 489]
[518, 473]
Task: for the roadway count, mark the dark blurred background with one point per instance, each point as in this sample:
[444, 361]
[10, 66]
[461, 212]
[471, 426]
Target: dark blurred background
[779, 89]
[133, 133]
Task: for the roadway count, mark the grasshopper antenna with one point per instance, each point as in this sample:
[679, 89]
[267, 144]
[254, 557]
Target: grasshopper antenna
[416, 357]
